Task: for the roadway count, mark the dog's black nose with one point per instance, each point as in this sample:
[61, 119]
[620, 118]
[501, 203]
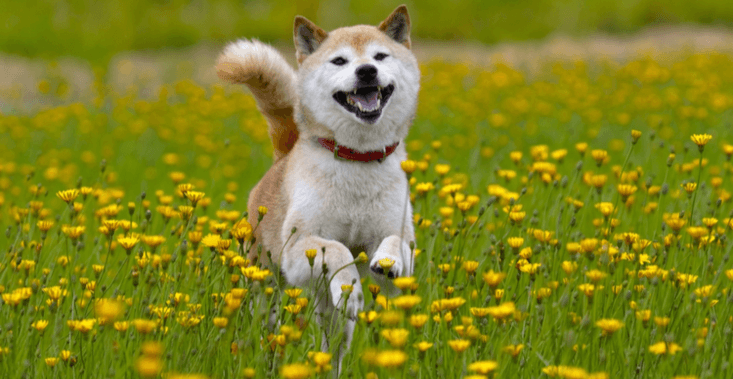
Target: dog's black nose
[366, 72]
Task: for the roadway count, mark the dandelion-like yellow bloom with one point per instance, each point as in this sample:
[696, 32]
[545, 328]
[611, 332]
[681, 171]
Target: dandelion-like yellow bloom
[635, 135]
[483, 367]
[68, 195]
[423, 346]
[220, 322]
[108, 310]
[144, 326]
[513, 350]
[701, 140]
[609, 325]
[493, 279]
[148, 367]
[404, 282]
[128, 243]
[418, 321]
[386, 263]
[194, 197]
[406, 301]
[390, 358]
[460, 345]
[39, 325]
[600, 156]
[626, 190]
[396, 337]
[502, 311]
[661, 347]
[409, 166]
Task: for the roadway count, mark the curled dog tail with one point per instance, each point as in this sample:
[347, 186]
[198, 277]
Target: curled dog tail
[272, 82]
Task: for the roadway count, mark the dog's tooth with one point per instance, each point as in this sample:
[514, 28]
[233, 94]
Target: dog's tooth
[379, 103]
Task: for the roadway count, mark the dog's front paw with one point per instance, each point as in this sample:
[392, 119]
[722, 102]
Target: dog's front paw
[347, 296]
[390, 266]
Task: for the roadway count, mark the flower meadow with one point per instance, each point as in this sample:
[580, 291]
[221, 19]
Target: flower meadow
[570, 224]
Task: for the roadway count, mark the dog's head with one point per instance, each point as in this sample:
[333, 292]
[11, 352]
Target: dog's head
[361, 82]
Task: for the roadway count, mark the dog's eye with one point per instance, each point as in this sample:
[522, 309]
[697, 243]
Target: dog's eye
[380, 56]
[338, 61]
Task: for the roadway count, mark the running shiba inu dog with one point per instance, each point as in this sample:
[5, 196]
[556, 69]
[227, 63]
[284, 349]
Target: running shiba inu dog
[337, 126]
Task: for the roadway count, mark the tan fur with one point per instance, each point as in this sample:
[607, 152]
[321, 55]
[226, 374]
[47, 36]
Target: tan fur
[271, 81]
[268, 193]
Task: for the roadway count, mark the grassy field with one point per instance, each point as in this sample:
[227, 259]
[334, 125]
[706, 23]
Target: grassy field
[569, 226]
[96, 30]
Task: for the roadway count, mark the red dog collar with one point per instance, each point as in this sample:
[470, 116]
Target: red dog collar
[343, 152]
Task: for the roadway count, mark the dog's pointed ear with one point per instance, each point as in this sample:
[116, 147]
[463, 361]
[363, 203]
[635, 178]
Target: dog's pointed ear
[397, 26]
[307, 37]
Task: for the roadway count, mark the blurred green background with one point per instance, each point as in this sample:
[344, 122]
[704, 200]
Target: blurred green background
[95, 30]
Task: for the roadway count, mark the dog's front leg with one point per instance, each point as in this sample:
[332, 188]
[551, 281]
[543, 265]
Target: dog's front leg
[340, 271]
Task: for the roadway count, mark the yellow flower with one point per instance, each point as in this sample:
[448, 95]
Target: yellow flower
[68, 195]
[418, 320]
[311, 254]
[121, 326]
[39, 325]
[609, 325]
[144, 326]
[368, 317]
[194, 196]
[423, 188]
[407, 301]
[459, 346]
[128, 243]
[599, 156]
[595, 275]
[65, 355]
[44, 226]
[220, 322]
[386, 263]
[321, 360]
[404, 282]
[423, 345]
[148, 367]
[51, 361]
[408, 166]
[635, 135]
[211, 241]
[701, 140]
[108, 310]
[483, 367]
[390, 358]
[442, 169]
[661, 347]
[515, 156]
[515, 242]
[396, 337]
[470, 266]
[626, 190]
[502, 311]
[513, 350]
[493, 278]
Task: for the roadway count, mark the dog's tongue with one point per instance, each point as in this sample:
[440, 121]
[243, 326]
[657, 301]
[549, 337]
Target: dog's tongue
[367, 100]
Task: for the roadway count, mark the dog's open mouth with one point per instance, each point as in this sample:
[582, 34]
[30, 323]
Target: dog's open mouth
[365, 102]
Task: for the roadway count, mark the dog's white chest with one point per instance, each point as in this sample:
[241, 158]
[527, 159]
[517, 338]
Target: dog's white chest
[355, 203]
